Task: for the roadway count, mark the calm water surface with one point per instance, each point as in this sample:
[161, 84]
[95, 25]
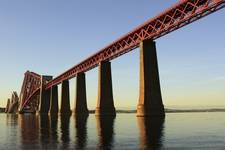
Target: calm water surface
[126, 131]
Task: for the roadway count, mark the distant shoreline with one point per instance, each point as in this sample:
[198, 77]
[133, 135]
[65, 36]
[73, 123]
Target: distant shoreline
[2, 110]
[172, 110]
[194, 110]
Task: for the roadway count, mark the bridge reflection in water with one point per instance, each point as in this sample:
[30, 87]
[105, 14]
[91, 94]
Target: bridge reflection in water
[105, 128]
[61, 132]
[81, 131]
[151, 132]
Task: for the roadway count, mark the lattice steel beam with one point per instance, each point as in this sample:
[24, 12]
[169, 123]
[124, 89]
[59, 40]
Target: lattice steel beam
[31, 85]
[179, 15]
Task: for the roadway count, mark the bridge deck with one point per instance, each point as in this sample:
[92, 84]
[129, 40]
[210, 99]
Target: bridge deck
[179, 15]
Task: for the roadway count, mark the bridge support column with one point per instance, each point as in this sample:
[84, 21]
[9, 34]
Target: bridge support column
[44, 95]
[54, 108]
[65, 98]
[81, 99]
[150, 99]
[105, 104]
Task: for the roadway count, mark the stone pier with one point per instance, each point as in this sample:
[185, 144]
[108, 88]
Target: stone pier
[105, 104]
[54, 107]
[44, 102]
[65, 98]
[81, 98]
[150, 99]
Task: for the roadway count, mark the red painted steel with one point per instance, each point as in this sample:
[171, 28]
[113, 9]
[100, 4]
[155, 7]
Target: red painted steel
[31, 84]
[29, 98]
[181, 14]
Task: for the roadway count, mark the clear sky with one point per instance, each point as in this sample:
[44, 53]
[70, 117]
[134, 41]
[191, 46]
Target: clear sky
[50, 36]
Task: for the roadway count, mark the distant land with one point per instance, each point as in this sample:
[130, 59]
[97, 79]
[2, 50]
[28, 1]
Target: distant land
[2, 110]
[173, 110]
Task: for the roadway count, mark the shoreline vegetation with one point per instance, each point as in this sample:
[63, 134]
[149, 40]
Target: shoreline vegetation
[2, 110]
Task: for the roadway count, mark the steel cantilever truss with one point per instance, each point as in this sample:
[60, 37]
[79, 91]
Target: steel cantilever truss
[181, 14]
[31, 86]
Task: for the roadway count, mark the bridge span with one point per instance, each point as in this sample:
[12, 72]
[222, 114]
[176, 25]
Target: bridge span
[40, 93]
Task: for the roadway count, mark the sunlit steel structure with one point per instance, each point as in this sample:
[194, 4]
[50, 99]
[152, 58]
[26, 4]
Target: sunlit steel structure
[179, 15]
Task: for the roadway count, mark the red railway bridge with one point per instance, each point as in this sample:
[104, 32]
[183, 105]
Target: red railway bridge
[40, 93]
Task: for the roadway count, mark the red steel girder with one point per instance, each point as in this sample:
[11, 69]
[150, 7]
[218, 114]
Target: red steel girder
[31, 84]
[28, 100]
[179, 15]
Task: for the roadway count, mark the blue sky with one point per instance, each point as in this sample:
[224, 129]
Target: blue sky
[50, 36]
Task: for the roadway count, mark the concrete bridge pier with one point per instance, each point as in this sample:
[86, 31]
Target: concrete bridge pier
[65, 98]
[81, 98]
[105, 104]
[44, 101]
[150, 99]
[54, 108]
